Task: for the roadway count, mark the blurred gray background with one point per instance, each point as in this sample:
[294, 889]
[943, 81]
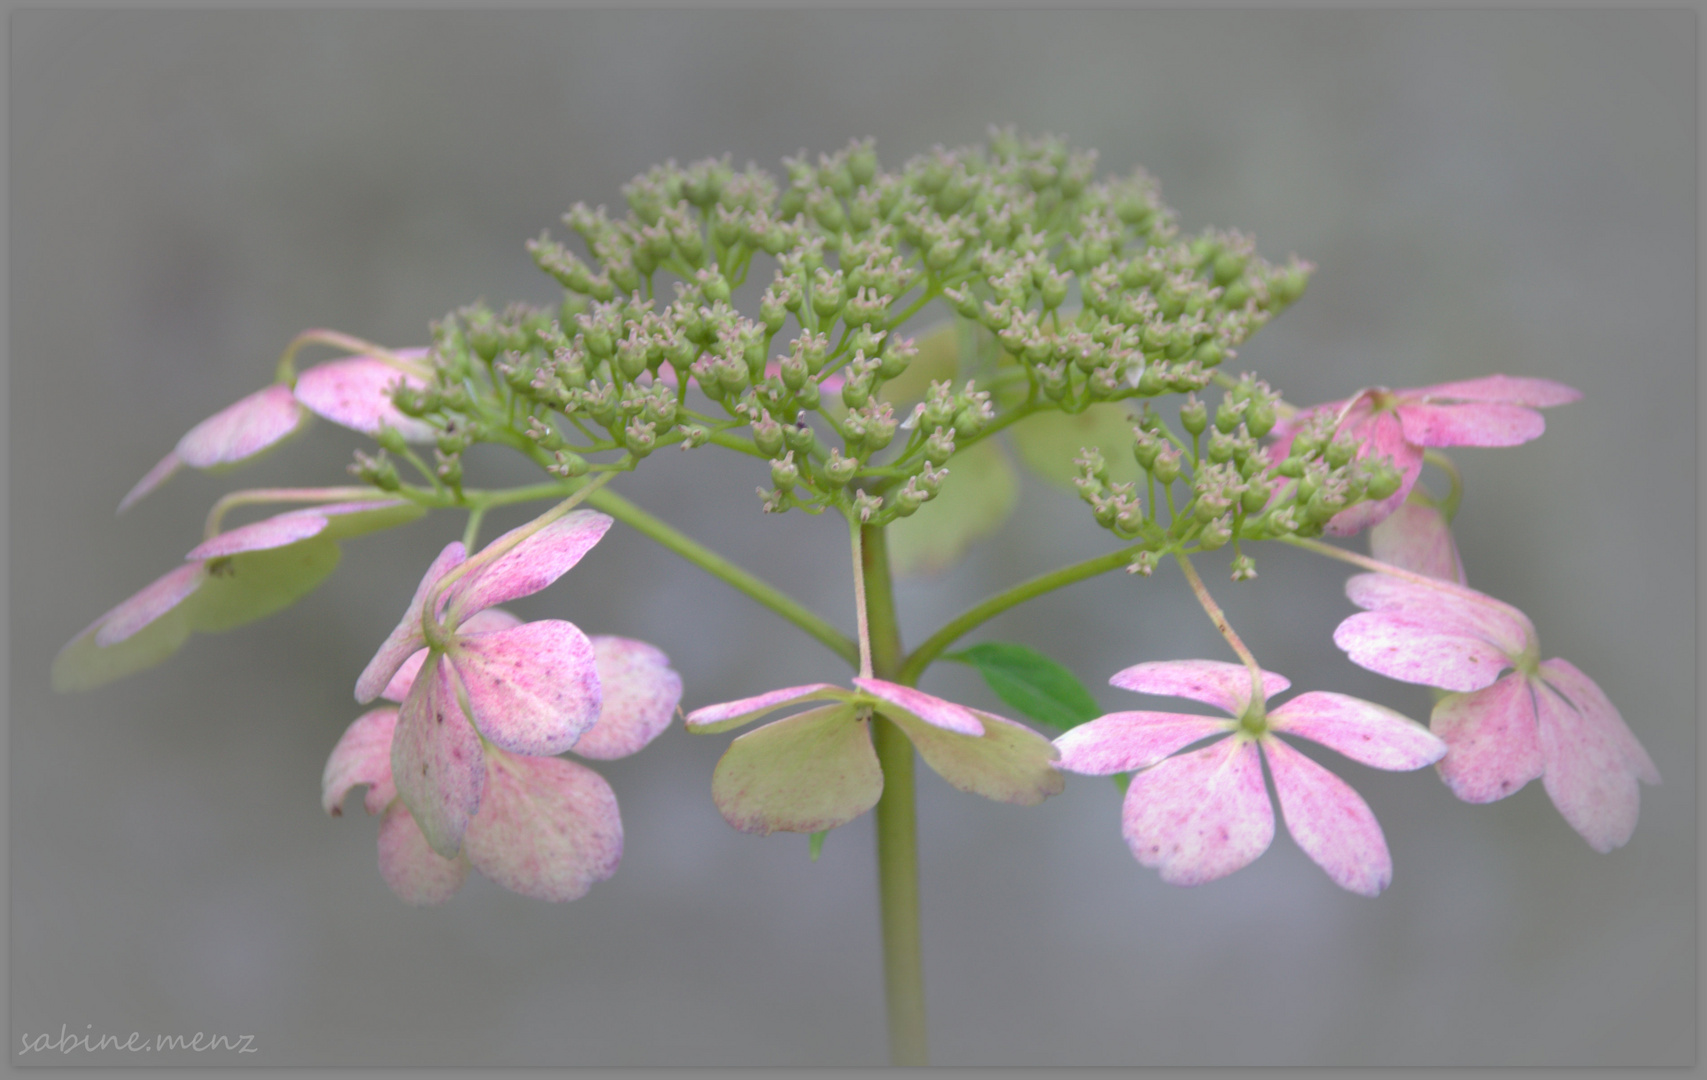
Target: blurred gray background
[1482, 192]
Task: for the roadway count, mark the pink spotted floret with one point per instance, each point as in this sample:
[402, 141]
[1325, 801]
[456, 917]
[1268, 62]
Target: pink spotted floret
[1201, 815]
[1512, 717]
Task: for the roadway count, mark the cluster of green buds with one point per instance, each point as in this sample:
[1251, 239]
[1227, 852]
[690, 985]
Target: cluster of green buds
[1081, 288]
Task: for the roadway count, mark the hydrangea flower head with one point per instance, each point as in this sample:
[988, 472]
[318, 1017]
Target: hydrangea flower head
[817, 769]
[1512, 716]
[546, 827]
[1498, 410]
[1201, 815]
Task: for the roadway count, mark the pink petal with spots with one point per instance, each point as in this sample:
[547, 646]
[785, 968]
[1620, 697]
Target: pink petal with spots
[1492, 745]
[362, 756]
[1361, 730]
[156, 599]
[1330, 821]
[1008, 763]
[1202, 815]
[531, 565]
[927, 707]
[533, 689]
[1128, 741]
[547, 828]
[1586, 772]
[1451, 608]
[158, 475]
[732, 714]
[416, 873]
[640, 692]
[1475, 424]
[356, 393]
[1213, 682]
[273, 532]
[242, 430]
[806, 773]
[407, 637]
[1509, 389]
[437, 761]
[1414, 649]
[1587, 697]
[1416, 538]
[481, 621]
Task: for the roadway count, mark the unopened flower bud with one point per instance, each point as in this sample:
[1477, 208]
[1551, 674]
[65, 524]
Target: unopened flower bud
[376, 470]
[800, 437]
[1216, 533]
[1341, 450]
[939, 447]
[640, 438]
[1193, 415]
[1220, 448]
[839, 468]
[1244, 568]
[867, 504]
[1167, 466]
[767, 436]
[784, 472]
[693, 435]
[1143, 564]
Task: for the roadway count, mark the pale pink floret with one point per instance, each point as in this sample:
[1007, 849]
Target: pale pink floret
[356, 393]
[287, 528]
[1514, 716]
[640, 692]
[1200, 816]
[1416, 537]
[817, 770]
[1498, 410]
[233, 435]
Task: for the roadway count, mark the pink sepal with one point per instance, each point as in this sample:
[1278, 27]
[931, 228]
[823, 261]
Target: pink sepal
[407, 637]
[532, 689]
[1508, 389]
[1416, 538]
[1330, 821]
[1213, 682]
[362, 756]
[156, 476]
[540, 559]
[416, 873]
[481, 621]
[1587, 771]
[1382, 435]
[732, 714]
[805, 773]
[1415, 649]
[547, 828]
[1493, 746]
[356, 393]
[243, 429]
[156, 599]
[1202, 815]
[436, 759]
[1478, 424]
[927, 707]
[1009, 763]
[1587, 697]
[1128, 741]
[640, 692]
[1361, 730]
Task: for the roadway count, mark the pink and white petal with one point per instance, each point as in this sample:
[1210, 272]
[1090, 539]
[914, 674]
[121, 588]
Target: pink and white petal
[156, 476]
[1213, 682]
[1330, 821]
[356, 393]
[437, 761]
[242, 430]
[640, 692]
[1200, 816]
[1128, 741]
[1449, 607]
[273, 532]
[83, 663]
[547, 828]
[927, 707]
[1510, 389]
[732, 714]
[347, 519]
[1361, 730]
[1492, 746]
[1585, 772]
[805, 773]
[535, 562]
[416, 873]
[153, 601]
[362, 756]
[1587, 697]
[406, 638]
[1416, 537]
[1471, 424]
[532, 689]
[1008, 763]
[1412, 649]
[481, 621]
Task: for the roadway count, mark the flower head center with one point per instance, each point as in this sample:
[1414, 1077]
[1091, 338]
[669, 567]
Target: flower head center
[1254, 720]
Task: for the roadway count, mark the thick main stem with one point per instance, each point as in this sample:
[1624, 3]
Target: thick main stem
[897, 826]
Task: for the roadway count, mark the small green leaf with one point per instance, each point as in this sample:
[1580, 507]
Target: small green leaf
[1040, 688]
[1049, 441]
[980, 492]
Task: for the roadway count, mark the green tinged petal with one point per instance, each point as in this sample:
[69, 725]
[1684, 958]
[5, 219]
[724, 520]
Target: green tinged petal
[1049, 441]
[244, 587]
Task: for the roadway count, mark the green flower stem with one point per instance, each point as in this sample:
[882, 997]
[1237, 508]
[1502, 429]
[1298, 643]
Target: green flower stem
[254, 496]
[897, 823]
[719, 567]
[973, 617]
[1455, 494]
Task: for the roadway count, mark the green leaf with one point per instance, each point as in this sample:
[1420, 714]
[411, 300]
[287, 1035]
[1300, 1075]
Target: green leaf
[1040, 688]
[980, 492]
[1049, 441]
